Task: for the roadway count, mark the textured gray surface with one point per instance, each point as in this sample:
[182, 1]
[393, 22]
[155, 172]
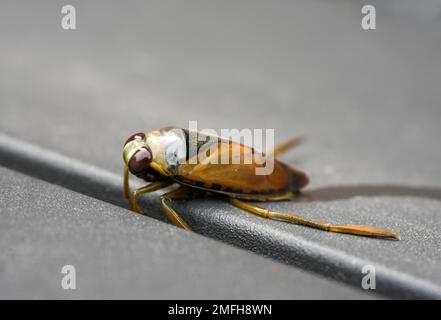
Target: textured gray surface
[397, 275]
[118, 254]
[369, 103]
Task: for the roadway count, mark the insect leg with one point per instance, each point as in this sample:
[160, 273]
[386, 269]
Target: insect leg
[283, 147]
[175, 218]
[349, 229]
[126, 183]
[146, 189]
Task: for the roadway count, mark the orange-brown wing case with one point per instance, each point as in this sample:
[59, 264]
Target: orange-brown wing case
[239, 180]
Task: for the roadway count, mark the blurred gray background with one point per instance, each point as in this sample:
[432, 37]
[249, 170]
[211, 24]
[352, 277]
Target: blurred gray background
[367, 101]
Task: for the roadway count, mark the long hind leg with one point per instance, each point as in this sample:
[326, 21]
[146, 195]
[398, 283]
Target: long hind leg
[349, 229]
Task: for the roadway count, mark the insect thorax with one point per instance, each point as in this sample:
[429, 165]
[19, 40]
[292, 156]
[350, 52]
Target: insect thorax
[173, 146]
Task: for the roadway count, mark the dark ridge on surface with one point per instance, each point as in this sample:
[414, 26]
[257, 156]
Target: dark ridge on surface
[293, 250]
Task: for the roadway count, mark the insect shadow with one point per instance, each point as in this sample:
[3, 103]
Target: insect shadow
[333, 193]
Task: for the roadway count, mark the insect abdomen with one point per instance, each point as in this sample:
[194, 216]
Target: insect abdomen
[243, 183]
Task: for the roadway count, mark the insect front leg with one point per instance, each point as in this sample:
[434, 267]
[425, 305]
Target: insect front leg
[132, 195]
[154, 186]
[126, 183]
[179, 194]
[349, 229]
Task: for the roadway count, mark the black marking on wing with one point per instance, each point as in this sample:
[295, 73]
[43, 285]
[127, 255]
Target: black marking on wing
[217, 188]
[187, 148]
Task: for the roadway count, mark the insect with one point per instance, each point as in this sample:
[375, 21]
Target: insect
[164, 157]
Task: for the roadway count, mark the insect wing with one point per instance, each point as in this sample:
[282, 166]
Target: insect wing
[222, 167]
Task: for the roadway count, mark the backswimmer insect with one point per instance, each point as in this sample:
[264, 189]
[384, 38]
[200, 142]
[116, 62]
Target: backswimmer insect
[163, 158]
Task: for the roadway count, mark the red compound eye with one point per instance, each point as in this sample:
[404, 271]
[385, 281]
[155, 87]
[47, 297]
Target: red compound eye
[139, 162]
[133, 136]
